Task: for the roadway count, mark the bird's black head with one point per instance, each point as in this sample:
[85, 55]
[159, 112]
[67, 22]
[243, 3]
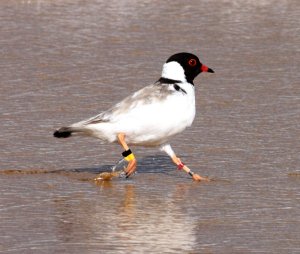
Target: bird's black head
[191, 65]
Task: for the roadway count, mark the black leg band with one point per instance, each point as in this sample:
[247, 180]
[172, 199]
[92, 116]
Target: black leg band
[191, 173]
[126, 153]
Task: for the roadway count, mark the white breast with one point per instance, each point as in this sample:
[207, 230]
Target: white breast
[154, 124]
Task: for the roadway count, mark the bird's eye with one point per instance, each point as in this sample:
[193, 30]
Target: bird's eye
[192, 62]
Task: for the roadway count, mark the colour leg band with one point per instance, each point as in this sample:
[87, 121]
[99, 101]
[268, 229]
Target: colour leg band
[128, 155]
[191, 173]
[180, 166]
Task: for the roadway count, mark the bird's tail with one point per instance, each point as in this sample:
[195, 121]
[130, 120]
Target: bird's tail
[64, 132]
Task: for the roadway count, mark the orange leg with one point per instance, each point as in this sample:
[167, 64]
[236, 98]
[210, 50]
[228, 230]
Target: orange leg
[168, 149]
[132, 163]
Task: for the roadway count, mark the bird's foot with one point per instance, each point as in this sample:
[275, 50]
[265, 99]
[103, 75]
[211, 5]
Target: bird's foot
[197, 177]
[131, 167]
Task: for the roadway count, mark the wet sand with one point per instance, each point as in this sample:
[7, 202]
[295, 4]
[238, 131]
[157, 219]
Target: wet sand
[64, 61]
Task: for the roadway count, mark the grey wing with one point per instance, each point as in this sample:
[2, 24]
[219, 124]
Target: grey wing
[146, 95]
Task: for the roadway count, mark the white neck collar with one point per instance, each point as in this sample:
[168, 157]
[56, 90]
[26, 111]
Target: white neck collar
[173, 70]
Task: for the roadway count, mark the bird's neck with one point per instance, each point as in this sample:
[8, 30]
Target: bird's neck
[173, 71]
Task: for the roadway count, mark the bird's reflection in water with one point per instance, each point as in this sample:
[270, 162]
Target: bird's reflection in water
[134, 215]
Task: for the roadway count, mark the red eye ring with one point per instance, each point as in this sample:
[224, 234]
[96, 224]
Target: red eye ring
[192, 62]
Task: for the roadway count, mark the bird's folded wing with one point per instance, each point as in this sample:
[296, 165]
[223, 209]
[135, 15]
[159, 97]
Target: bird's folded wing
[147, 95]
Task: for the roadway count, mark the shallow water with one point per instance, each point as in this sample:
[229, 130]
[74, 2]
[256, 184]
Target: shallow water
[64, 61]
